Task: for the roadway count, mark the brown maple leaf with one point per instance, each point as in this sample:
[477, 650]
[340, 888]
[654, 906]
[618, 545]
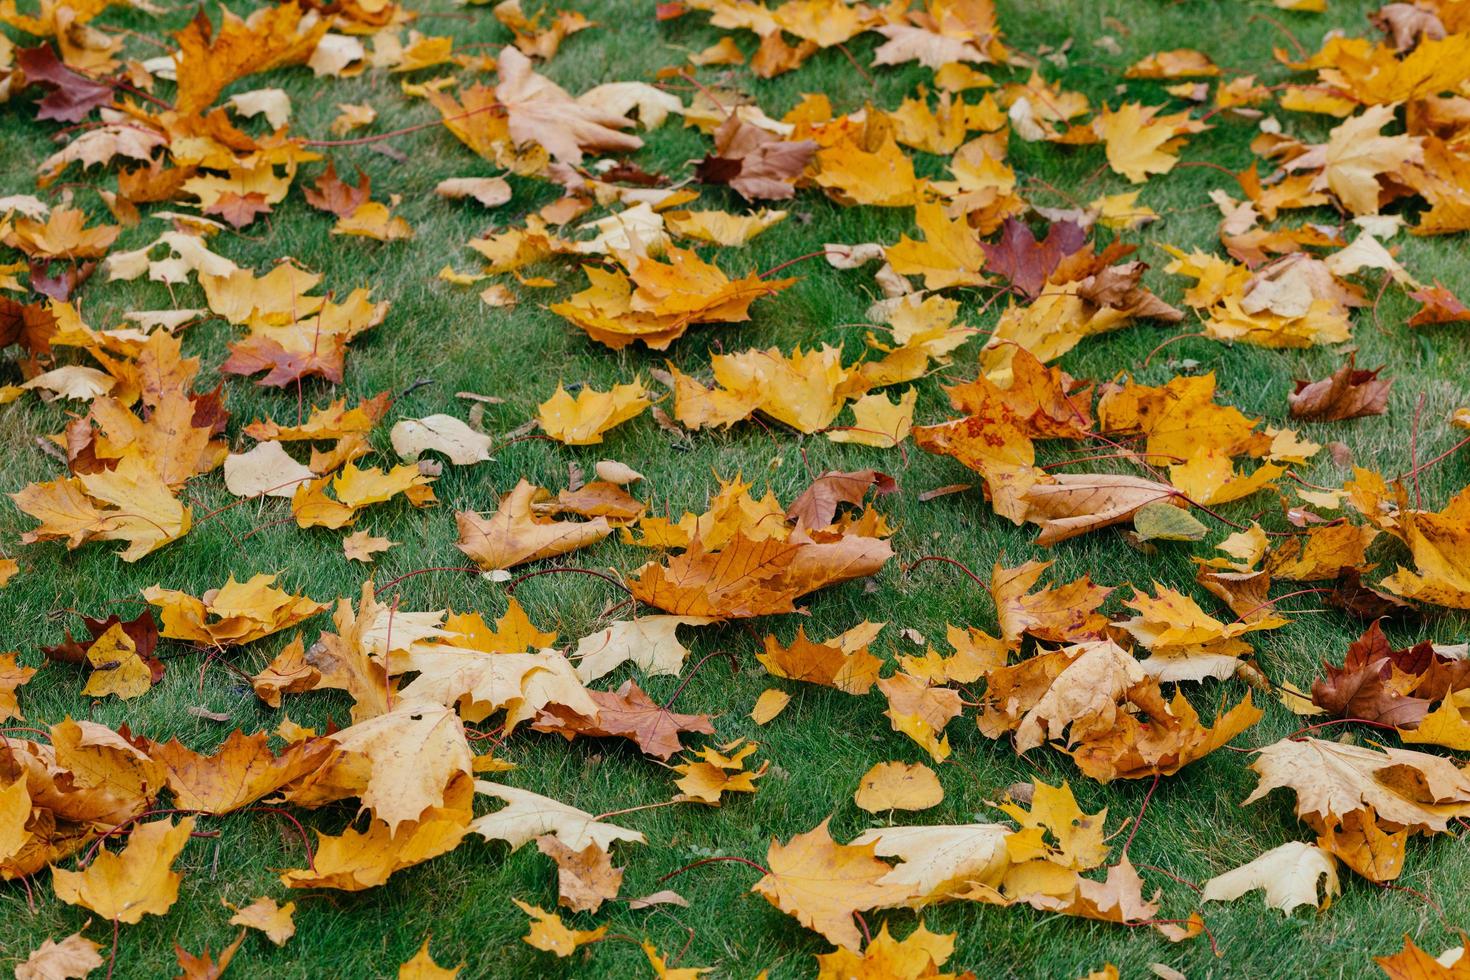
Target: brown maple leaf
[1346, 394]
[239, 209]
[822, 883]
[818, 503]
[1378, 683]
[627, 713]
[757, 165]
[584, 879]
[240, 772]
[70, 96]
[331, 193]
[514, 534]
[1439, 306]
[1026, 263]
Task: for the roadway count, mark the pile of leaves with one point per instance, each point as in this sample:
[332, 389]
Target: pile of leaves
[993, 283]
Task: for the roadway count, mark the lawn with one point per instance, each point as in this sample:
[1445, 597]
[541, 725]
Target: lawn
[439, 339]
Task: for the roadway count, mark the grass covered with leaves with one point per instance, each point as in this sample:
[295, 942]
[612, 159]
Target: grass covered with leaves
[438, 338]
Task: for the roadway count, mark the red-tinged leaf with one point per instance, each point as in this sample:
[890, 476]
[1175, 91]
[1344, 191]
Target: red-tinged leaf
[31, 325]
[1346, 394]
[1027, 263]
[62, 284]
[239, 209]
[817, 505]
[71, 96]
[627, 713]
[331, 193]
[257, 353]
[1439, 306]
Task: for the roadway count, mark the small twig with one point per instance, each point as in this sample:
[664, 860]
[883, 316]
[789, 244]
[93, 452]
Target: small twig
[473, 569]
[305, 841]
[734, 669]
[1301, 52]
[1343, 721]
[800, 258]
[1176, 337]
[511, 585]
[1444, 455]
[1272, 602]
[1414, 450]
[1141, 811]
[636, 809]
[861, 71]
[863, 925]
[1169, 874]
[379, 137]
[948, 561]
[711, 860]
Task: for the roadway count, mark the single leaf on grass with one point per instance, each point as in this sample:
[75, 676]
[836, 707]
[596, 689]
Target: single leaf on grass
[530, 815]
[362, 546]
[445, 434]
[275, 921]
[717, 770]
[581, 421]
[843, 662]
[878, 422]
[1290, 875]
[585, 878]
[139, 880]
[421, 966]
[550, 934]
[265, 470]
[514, 535]
[897, 786]
[357, 860]
[1413, 963]
[205, 966]
[73, 957]
[1161, 521]
[821, 883]
[491, 192]
[1347, 394]
[116, 666]
[649, 642]
[770, 704]
[234, 614]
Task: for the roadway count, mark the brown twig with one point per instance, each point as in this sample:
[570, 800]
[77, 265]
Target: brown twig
[711, 860]
[948, 561]
[1138, 822]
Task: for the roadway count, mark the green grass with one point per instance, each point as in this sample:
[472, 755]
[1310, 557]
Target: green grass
[825, 740]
